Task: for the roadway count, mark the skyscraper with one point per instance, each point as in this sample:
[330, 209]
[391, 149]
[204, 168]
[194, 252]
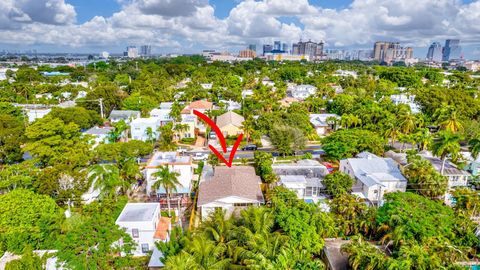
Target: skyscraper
[385, 51]
[267, 48]
[132, 52]
[435, 52]
[309, 48]
[277, 45]
[452, 50]
[285, 47]
[252, 47]
[145, 50]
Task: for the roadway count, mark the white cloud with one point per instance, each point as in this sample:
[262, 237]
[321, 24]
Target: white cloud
[192, 23]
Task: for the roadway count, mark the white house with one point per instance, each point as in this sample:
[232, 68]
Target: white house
[247, 93]
[346, 73]
[176, 163]
[206, 86]
[99, 134]
[141, 127]
[143, 222]
[456, 177]
[125, 115]
[267, 82]
[162, 113]
[229, 189]
[304, 178]
[34, 111]
[302, 91]
[374, 176]
[320, 123]
[407, 100]
[231, 105]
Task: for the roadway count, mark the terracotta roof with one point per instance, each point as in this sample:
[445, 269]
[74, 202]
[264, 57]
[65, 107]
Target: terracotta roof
[239, 181]
[199, 104]
[162, 229]
[230, 118]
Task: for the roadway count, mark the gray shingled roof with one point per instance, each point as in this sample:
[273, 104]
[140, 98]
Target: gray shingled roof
[230, 118]
[239, 181]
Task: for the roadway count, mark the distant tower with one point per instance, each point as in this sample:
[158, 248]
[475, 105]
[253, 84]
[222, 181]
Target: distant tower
[285, 47]
[277, 45]
[131, 52]
[435, 52]
[252, 47]
[267, 48]
[146, 50]
[452, 50]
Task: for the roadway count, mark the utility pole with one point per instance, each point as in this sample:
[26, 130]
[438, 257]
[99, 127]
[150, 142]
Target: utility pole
[100, 101]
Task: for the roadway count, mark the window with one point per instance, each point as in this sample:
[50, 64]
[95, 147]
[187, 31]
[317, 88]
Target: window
[241, 204]
[135, 233]
[308, 191]
[145, 248]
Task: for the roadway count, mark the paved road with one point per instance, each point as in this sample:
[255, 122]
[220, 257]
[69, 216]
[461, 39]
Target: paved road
[314, 149]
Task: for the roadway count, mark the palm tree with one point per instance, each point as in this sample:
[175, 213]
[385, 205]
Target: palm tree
[407, 121]
[350, 120]
[446, 143]
[248, 127]
[180, 128]
[150, 134]
[105, 178]
[168, 180]
[423, 138]
[448, 119]
[332, 121]
[206, 254]
[474, 146]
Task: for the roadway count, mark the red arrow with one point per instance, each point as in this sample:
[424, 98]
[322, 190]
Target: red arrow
[220, 137]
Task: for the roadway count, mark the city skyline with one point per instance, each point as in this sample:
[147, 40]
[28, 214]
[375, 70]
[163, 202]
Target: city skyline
[189, 26]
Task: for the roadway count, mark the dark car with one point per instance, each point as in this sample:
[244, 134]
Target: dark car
[249, 147]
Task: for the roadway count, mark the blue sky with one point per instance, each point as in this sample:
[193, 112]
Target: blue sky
[192, 25]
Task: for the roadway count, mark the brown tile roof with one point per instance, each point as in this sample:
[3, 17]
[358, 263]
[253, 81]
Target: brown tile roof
[239, 181]
[162, 229]
[230, 118]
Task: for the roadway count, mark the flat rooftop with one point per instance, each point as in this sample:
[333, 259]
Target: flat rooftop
[167, 158]
[135, 212]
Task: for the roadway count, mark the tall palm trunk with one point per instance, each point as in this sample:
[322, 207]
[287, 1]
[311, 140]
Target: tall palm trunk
[443, 165]
[168, 201]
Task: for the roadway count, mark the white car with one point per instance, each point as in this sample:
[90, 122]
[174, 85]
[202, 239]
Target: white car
[200, 156]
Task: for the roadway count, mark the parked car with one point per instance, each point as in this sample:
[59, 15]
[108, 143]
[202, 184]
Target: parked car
[200, 156]
[250, 147]
[212, 135]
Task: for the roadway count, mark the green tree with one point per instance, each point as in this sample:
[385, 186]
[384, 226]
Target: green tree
[27, 218]
[446, 143]
[106, 178]
[29, 260]
[12, 131]
[424, 179]
[168, 180]
[287, 139]
[345, 143]
[82, 117]
[338, 183]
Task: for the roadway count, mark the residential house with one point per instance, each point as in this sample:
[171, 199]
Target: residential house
[247, 93]
[206, 86]
[145, 129]
[321, 124]
[304, 177]
[346, 73]
[267, 82]
[190, 121]
[162, 113]
[176, 163]
[473, 165]
[456, 177]
[125, 115]
[231, 105]
[374, 176]
[407, 100]
[230, 123]
[287, 101]
[99, 134]
[202, 106]
[228, 188]
[302, 91]
[143, 222]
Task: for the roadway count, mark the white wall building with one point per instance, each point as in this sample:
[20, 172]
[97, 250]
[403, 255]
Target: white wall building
[320, 123]
[142, 221]
[304, 178]
[140, 128]
[99, 134]
[162, 113]
[302, 91]
[374, 176]
[125, 115]
[407, 100]
[179, 164]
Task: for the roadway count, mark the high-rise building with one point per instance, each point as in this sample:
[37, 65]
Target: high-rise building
[131, 52]
[435, 52]
[312, 49]
[277, 46]
[267, 48]
[452, 50]
[146, 50]
[388, 52]
[252, 47]
[247, 54]
[285, 47]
